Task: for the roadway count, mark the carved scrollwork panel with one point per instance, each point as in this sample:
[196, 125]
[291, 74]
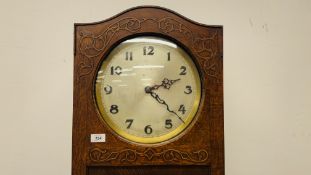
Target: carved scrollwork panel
[149, 154]
[203, 45]
[92, 46]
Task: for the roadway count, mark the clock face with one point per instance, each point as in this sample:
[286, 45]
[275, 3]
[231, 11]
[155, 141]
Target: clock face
[148, 89]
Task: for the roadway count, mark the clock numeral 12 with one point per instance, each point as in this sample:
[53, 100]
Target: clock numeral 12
[148, 50]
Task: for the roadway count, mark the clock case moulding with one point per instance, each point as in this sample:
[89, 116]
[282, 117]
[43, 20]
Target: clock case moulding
[199, 149]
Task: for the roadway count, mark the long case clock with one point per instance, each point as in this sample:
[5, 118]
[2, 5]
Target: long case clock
[148, 95]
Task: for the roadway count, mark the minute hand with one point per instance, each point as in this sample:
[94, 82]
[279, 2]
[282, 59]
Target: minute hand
[159, 100]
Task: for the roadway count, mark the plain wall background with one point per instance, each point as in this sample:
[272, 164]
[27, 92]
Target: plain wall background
[267, 78]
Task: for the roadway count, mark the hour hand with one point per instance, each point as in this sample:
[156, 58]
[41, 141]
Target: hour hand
[166, 83]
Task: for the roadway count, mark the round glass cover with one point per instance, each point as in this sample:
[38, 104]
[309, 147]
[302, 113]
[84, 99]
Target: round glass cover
[148, 89]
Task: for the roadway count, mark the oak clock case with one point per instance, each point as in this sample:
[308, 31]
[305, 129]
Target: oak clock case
[148, 87]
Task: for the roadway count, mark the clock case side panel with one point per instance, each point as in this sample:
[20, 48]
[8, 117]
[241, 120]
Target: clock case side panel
[79, 111]
[216, 111]
[117, 151]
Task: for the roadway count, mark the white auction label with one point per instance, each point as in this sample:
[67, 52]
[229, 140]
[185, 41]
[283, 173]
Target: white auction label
[98, 138]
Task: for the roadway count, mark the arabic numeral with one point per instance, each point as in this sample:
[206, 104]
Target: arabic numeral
[148, 50]
[168, 124]
[188, 90]
[182, 109]
[108, 89]
[114, 109]
[115, 70]
[168, 56]
[148, 129]
[129, 121]
[129, 56]
[183, 70]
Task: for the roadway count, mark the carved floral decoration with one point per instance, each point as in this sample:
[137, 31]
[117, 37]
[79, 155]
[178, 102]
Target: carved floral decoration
[204, 45]
[149, 154]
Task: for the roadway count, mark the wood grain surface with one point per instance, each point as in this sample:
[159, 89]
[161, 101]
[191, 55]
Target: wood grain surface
[199, 149]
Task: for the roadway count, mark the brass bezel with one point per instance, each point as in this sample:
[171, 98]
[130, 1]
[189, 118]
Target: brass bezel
[159, 139]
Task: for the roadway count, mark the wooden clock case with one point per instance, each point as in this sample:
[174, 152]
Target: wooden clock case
[199, 149]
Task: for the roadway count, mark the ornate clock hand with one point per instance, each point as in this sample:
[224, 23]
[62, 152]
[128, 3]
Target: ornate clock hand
[166, 83]
[161, 101]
